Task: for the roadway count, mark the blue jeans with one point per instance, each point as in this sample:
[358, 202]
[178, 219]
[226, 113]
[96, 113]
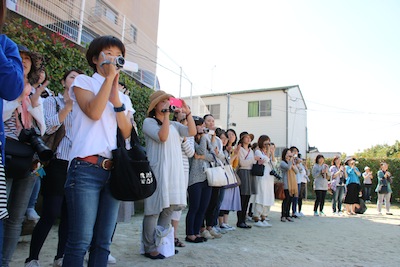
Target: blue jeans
[35, 194]
[295, 200]
[92, 214]
[1, 239]
[199, 198]
[337, 198]
[19, 191]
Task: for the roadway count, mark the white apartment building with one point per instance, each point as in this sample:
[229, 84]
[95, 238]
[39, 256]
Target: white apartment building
[280, 113]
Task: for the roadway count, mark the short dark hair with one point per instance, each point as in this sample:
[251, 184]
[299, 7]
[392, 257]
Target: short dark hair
[98, 44]
[318, 157]
[205, 116]
[293, 148]
[261, 140]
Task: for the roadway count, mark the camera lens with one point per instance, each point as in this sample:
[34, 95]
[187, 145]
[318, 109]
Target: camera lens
[119, 62]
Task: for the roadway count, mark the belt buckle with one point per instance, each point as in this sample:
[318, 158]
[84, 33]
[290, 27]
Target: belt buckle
[103, 164]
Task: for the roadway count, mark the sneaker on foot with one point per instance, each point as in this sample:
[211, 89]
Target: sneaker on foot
[214, 233]
[220, 230]
[340, 213]
[32, 215]
[301, 214]
[297, 214]
[227, 227]
[206, 234]
[259, 224]
[389, 213]
[58, 262]
[32, 263]
[321, 213]
[316, 213]
[266, 224]
[111, 259]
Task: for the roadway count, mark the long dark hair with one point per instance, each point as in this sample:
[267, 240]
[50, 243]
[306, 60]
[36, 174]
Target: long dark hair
[284, 152]
[233, 131]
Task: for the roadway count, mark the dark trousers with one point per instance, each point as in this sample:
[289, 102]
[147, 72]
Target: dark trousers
[286, 204]
[211, 216]
[53, 208]
[320, 200]
[199, 198]
[241, 215]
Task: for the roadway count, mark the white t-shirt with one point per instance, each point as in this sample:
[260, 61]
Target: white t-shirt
[93, 137]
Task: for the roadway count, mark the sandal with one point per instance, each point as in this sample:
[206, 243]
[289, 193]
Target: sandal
[178, 243]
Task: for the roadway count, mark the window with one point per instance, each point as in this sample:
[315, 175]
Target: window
[104, 10]
[133, 33]
[259, 108]
[214, 110]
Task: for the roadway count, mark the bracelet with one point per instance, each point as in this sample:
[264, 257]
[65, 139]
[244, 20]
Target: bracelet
[120, 109]
[190, 113]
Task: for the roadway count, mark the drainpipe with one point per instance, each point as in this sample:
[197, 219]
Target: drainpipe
[79, 39]
[287, 117]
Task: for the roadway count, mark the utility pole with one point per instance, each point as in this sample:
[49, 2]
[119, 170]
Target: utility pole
[228, 109]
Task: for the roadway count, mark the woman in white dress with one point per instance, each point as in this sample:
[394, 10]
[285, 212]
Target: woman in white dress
[265, 197]
[163, 146]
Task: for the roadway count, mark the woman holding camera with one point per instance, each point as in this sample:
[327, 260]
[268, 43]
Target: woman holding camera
[199, 193]
[320, 172]
[57, 113]
[352, 185]
[338, 182]
[265, 197]
[289, 171]
[383, 188]
[24, 115]
[163, 146]
[99, 109]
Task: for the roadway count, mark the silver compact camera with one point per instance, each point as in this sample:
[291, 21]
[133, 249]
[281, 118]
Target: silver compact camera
[119, 62]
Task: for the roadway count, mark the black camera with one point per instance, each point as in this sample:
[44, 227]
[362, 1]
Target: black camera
[274, 173]
[119, 62]
[30, 136]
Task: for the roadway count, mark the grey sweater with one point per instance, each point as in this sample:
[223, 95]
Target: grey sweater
[196, 172]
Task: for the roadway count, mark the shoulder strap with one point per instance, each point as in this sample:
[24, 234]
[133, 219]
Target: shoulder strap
[57, 105]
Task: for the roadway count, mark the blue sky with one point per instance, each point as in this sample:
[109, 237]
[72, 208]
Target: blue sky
[344, 55]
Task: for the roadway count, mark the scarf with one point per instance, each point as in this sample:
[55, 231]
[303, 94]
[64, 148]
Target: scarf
[292, 183]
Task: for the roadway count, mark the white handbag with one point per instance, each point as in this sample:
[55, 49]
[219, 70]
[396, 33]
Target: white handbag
[216, 175]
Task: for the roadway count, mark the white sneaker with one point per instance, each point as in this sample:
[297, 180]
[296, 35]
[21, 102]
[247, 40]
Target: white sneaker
[267, 224]
[259, 224]
[227, 227]
[301, 214]
[58, 262]
[32, 263]
[111, 259]
[249, 219]
[297, 214]
[340, 213]
[266, 219]
[220, 230]
[32, 215]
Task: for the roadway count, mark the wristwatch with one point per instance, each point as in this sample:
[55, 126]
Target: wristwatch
[120, 109]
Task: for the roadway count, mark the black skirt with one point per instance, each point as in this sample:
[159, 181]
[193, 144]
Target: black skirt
[353, 190]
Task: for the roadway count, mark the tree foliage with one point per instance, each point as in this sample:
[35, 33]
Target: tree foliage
[381, 151]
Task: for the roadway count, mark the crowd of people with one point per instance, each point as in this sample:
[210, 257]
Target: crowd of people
[179, 147]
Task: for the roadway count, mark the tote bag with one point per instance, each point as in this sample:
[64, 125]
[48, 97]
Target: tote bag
[131, 178]
[216, 175]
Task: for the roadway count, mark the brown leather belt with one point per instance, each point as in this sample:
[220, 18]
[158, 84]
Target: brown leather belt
[105, 163]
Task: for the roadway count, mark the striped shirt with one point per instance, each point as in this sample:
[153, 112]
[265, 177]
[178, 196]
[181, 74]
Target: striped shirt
[53, 123]
[3, 192]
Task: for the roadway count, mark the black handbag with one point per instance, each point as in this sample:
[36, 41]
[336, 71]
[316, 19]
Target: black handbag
[383, 188]
[257, 169]
[18, 158]
[131, 178]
